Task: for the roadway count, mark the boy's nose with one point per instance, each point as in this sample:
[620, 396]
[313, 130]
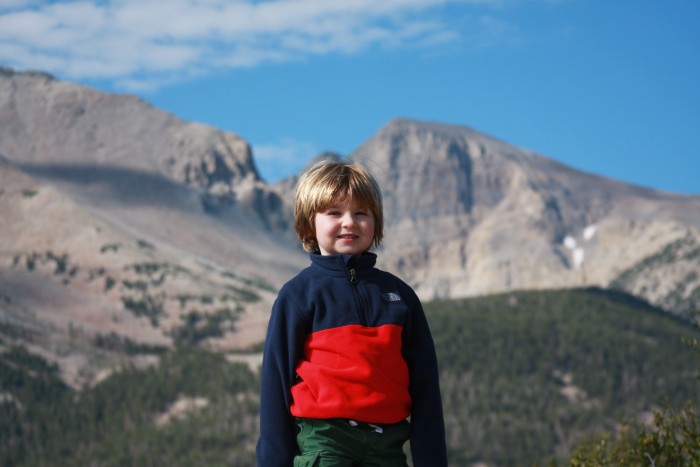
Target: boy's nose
[348, 219]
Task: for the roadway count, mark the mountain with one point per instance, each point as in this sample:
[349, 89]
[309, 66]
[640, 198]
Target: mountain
[124, 225]
[128, 230]
[468, 215]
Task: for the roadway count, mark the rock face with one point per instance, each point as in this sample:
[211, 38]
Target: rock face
[107, 149]
[123, 227]
[46, 121]
[468, 214]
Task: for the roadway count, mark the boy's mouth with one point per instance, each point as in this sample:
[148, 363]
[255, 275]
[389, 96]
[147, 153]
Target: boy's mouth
[347, 236]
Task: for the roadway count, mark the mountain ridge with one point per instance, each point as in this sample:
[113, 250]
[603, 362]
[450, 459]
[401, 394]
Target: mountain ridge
[482, 189]
[195, 243]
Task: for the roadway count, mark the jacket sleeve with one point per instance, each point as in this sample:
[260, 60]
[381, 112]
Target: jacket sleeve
[427, 437]
[283, 347]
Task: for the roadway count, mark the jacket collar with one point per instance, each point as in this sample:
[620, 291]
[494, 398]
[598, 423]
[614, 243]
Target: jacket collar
[343, 263]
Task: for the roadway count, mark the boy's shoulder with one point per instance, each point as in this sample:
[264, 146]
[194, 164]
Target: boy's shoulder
[304, 275]
[388, 277]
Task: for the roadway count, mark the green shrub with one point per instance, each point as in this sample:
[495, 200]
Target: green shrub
[673, 439]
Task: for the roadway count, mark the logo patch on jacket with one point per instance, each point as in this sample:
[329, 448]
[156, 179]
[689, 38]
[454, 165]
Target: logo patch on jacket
[391, 297]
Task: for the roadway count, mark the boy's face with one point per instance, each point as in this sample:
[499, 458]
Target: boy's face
[344, 228]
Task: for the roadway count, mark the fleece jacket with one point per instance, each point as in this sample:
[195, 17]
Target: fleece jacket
[347, 340]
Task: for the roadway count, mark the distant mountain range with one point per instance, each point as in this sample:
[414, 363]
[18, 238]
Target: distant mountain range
[124, 227]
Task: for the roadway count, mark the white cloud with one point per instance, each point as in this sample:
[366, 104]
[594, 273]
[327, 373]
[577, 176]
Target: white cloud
[141, 43]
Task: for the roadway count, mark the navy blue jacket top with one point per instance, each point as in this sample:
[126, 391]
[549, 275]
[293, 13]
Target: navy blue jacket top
[347, 340]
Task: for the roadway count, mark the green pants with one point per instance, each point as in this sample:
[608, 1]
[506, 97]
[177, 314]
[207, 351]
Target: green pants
[338, 442]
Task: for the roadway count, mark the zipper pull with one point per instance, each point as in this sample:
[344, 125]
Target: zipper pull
[353, 276]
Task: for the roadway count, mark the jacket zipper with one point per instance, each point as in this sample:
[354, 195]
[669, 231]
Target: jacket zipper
[362, 313]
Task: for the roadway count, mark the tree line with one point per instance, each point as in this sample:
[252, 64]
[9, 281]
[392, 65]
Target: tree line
[528, 378]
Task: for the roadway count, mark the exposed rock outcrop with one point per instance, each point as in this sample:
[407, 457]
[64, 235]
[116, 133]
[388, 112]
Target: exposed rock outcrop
[468, 214]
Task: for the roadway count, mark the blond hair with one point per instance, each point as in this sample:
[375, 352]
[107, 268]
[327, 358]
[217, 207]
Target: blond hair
[328, 182]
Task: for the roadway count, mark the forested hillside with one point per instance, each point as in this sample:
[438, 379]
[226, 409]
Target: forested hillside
[525, 376]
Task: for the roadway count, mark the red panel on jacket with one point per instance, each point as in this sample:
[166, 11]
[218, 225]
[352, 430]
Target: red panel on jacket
[353, 372]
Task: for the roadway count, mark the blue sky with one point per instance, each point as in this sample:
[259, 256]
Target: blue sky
[607, 86]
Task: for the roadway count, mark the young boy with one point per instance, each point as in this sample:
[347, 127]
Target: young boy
[349, 358]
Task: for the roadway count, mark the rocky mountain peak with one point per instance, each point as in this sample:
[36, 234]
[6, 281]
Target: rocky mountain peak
[47, 122]
[469, 214]
[121, 222]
